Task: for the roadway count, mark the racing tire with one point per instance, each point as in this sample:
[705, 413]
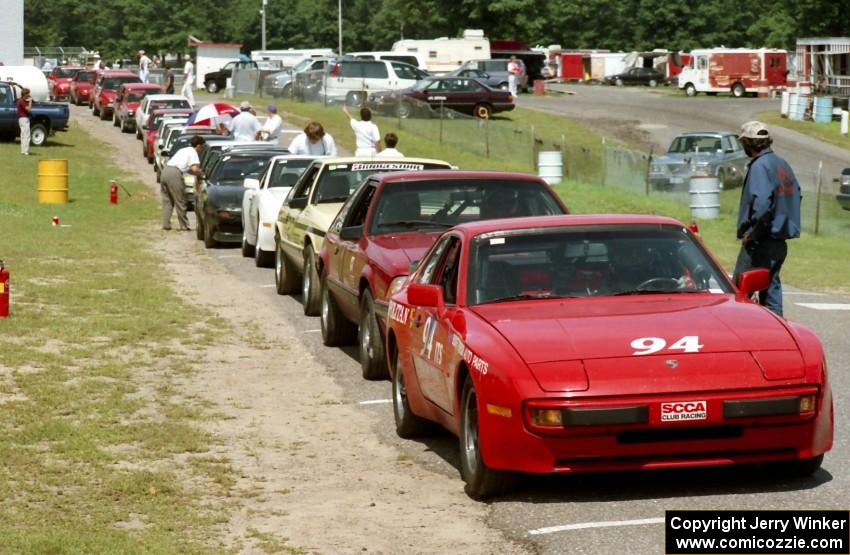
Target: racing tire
[247, 248]
[373, 359]
[38, 134]
[738, 90]
[285, 278]
[262, 259]
[211, 86]
[311, 295]
[209, 237]
[797, 468]
[336, 330]
[407, 424]
[482, 111]
[481, 481]
[690, 89]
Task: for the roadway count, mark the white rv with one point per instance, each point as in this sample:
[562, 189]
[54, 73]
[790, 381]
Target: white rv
[445, 54]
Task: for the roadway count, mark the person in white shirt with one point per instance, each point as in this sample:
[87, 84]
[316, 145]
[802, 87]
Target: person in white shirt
[390, 141]
[513, 75]
[245, 126]
[188, 81]
[144, 66]
[271, 129]
[313, 141]
[366, 134]
[184, 162]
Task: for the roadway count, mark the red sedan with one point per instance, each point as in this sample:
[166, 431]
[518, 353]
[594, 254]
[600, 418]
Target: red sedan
[155, 120]
[593, 343]
[389, 222]
[127, 101]
[59, 82]
[81, 86]
[105, 89]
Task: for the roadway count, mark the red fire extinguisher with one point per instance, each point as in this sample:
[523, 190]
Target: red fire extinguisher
[113, 193]
[4, 291]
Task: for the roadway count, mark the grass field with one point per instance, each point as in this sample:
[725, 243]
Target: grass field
[98, 452]
[826, 132]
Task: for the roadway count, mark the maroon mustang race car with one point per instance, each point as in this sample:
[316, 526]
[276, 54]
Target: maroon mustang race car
[593, 343]
[388, 223]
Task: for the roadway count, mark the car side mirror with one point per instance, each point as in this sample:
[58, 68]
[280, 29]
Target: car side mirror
[351, 233]
[425, 295]
[298, 203]
[251, 183]
[753, 281]
[412, 266]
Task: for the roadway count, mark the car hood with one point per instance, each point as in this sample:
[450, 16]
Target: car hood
[225, 195]
[557, 336]
[394, 252]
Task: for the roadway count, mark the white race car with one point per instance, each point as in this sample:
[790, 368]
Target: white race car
[261, 205]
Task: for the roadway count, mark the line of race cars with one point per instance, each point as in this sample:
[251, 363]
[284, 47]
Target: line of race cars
[547, 342]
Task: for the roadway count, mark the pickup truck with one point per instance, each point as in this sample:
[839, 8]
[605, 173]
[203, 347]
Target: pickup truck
[215, 81]
[46, 116]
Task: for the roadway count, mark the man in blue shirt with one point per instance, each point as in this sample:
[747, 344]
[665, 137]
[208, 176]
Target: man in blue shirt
[769, 212]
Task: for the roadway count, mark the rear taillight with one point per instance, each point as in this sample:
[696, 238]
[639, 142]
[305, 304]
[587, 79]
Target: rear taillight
[335, 70]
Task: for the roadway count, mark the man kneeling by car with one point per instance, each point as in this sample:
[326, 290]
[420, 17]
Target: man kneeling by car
[184, 162]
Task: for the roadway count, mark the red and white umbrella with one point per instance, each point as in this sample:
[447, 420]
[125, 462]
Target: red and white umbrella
[212, 114]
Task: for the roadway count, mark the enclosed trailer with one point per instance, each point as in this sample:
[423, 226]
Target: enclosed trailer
[739, 71]
[445, 54]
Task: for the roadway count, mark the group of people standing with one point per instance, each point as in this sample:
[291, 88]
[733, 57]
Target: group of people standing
[145, 64]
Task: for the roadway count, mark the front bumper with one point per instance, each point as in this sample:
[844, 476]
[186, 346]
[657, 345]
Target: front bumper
[649, 443]
[844, 200]
[226, 224]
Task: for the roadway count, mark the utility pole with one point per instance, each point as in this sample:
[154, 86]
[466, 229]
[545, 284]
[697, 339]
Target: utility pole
[263, 13]
[339, 23]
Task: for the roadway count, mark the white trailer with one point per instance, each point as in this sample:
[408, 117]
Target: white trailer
[290, 56]
[445, 54]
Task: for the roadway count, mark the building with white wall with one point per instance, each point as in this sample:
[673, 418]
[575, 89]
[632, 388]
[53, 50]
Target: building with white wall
[211, 56]
[12, 32]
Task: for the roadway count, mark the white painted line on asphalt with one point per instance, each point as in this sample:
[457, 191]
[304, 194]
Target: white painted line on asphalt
[229, 256]
[268, 285]
[376, 402]
[603, 524]
[825, 306]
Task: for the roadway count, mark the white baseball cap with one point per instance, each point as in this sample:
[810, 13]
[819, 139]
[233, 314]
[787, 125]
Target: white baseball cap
[754, 130]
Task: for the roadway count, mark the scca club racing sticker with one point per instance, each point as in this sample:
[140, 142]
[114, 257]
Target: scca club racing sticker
[375, 166]
[683, 410]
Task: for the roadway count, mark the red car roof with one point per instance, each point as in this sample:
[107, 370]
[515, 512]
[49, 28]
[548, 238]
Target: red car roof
[486, 226]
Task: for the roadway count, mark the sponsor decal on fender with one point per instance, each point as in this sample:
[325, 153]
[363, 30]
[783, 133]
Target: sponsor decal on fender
[473, 360]
[399, 312]
[683, 410]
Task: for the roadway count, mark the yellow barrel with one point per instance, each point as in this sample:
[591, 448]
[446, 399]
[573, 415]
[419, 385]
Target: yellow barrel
[52, 181]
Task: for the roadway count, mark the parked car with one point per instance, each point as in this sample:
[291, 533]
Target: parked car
[45, 118]
[416, 60]
[155, 120]
[127, 100]
[497, 72]
[388, 223]
[493, 82]
[308, 210]
[218, 204]
[523, 339]
[81, 86]
[158, 101]
[105, 88]
[350, 80]
[712, 153]
[215, 81]
[59, 82]
[261, 205]
[295, 81]
[636, 76]
[458, 94]
[843, 195]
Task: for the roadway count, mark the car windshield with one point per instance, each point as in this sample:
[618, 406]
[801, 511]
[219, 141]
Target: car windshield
[590, 261]
[338, 181]
[695, 143]
[423, 84]
[113, 83]
[303, 65]
[285, 174]
[86, 76]
[65, 72]
[233, 169]
[136, 96]
[413, 205]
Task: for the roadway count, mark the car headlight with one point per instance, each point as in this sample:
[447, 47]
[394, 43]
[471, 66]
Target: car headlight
[396, 285]
[845, 179]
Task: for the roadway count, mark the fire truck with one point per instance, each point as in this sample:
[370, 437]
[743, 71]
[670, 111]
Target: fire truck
[739, 71]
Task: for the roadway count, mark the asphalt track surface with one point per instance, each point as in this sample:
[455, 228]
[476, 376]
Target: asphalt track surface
[595, 513]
